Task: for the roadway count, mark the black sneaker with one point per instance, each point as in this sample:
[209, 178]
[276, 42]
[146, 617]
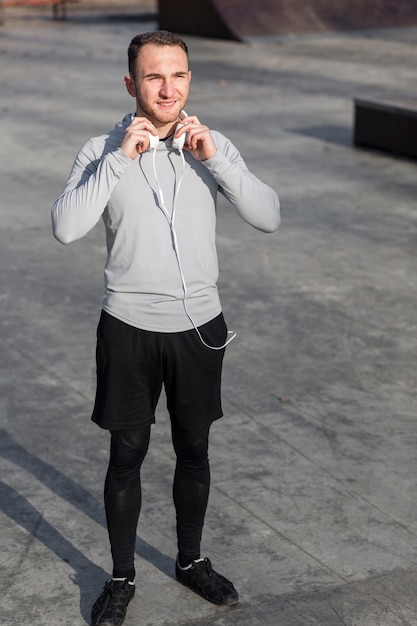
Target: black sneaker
[110, 607]
[201, 578]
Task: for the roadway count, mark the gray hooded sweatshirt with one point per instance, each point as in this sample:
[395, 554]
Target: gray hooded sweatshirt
[159, 212]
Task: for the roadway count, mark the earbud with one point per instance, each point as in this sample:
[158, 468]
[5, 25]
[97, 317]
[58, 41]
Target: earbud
[153, 141]
[178, 142]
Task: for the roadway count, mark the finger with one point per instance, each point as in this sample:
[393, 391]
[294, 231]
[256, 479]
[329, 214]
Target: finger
[141, 123]
[196, 134]
[190, 119]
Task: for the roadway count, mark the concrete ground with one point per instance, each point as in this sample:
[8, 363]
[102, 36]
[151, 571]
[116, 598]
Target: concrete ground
[313, 508]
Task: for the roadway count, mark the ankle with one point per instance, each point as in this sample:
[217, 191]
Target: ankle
[123, 574]
[186, 560]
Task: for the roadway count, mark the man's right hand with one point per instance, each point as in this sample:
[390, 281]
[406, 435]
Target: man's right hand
[136, 139]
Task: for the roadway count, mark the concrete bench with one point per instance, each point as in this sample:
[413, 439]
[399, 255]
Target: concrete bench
[389, 125]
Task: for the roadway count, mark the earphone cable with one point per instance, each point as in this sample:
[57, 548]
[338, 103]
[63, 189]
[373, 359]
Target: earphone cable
[171, 220]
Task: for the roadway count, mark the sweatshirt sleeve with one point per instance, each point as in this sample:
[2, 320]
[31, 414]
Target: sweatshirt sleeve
[256, 202]
[87, 192]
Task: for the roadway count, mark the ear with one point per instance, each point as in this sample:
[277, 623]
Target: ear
[130, 86]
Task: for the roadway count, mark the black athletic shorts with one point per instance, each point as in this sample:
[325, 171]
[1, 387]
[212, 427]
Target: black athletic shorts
[134, 364]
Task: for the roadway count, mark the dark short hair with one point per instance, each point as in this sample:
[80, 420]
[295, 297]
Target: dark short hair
[157, 37]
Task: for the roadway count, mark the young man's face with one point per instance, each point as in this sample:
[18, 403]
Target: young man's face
[161, 84]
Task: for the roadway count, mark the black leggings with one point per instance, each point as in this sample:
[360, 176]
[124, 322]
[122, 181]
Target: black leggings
[122, 492]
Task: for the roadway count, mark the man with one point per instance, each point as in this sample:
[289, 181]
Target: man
[154, 183]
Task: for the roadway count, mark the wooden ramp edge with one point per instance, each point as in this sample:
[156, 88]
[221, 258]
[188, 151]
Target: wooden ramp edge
[245, 19]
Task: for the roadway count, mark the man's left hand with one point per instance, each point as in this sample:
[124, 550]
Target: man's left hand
[199, 142]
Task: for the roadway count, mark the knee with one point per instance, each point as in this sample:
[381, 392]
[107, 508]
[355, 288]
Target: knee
[128, 448]
[191, 449]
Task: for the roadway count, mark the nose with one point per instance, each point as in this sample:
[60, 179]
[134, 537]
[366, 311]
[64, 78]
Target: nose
[167, 88]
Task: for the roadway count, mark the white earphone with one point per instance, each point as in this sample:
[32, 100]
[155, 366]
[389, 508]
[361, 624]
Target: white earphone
[178, 144]
[153, 141]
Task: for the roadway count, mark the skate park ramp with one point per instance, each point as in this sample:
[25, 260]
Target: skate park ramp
[246, 19]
